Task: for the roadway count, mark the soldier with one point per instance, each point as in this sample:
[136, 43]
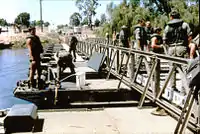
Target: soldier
[156, 41]
[141, 35]
[72, 46]
[124, 36]
[107, 38]
[64, 60]
[176, 35]
[157, 47]
[114, 37]
[149, 31]
[35, 49]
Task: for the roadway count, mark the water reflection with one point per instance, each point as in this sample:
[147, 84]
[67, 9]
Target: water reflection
[13, 67]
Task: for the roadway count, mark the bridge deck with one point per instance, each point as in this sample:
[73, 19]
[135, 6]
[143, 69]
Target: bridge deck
[108, 120]
[103, 121]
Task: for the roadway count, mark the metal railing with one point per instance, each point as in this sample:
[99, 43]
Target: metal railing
[141, 67]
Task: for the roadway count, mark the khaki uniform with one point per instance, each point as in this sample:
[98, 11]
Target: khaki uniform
[149, 31]
[156, 76]
[140, 35]
[64, 61]
[176, 35]
[123, 36]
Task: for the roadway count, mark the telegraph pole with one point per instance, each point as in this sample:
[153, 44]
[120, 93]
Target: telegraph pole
[41, 25]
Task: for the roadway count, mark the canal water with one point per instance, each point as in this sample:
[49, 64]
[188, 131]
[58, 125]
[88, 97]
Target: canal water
[14, 65]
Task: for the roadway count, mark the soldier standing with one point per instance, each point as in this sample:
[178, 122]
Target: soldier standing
[176, 35]
[149, 31]
[157, 47]
[35, 49]
[141, 35]
[72, 46]
[124, 36]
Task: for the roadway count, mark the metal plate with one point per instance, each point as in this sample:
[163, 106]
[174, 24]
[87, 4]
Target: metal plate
[95, 61]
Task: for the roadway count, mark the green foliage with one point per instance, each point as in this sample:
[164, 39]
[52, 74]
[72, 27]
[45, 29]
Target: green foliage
[103, 19]
[39, 22]
[75, 19]
[109, 9]
[33, 23]
[97, 22]
[155, 11]
[85, 21]
[23, 19]
[134, 3]
[3, 22]
[88, 8]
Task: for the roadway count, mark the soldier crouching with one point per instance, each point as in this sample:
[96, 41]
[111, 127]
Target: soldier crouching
[64, 60]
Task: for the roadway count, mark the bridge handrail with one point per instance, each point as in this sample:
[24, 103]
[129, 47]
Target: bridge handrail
[90, 45]
[173, 59]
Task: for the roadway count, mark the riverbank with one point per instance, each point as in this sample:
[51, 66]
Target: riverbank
[19, 40]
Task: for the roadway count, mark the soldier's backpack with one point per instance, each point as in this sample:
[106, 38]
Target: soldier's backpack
[193, 72]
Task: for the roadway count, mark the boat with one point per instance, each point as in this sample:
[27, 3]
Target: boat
[89, 84]
[4, 45]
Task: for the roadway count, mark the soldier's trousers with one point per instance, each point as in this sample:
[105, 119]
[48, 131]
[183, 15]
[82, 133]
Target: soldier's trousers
[74, 52]
[156, 79]
[178, 51]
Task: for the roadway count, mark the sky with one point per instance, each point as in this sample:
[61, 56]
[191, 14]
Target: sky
[54, 11]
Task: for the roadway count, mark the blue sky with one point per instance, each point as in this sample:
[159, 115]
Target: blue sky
[55, 11]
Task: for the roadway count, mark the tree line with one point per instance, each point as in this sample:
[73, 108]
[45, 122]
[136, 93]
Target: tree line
[87, 9]
[23, 19]
[155, 11]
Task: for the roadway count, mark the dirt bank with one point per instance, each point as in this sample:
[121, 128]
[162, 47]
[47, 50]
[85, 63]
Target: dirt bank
[19, 40]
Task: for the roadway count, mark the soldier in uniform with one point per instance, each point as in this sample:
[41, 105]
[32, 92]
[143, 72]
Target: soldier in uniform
[149, 31]
[124, 37]
[157, 47]
[176, 35]
[72, 46]
[64, 60]
[107, 38]
[141, 35]
[35, 49]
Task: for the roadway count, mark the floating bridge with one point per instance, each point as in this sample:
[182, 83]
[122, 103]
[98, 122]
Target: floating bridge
[116, 76]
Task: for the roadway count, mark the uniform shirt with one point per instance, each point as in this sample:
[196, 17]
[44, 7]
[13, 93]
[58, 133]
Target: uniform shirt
[123, 35]
[149, 31]
[177, 31]
[140, 34]
[73, 42]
